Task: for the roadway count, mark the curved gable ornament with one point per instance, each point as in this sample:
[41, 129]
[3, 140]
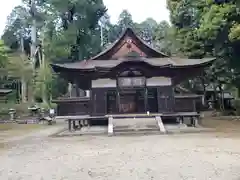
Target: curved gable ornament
[129, 44]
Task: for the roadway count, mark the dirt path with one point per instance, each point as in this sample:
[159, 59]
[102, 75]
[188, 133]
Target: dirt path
[203, 156]
[161, 157]
[34, 134]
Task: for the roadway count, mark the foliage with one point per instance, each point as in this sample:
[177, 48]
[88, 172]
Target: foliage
[206, 28]
[21, 109]
[47, 106]
[3, 55]
[79, 30]
[163, 38]
[19, 66]
[185, 17]
[234, 34]
[67, 31]
[237, 106]
[43, 83]
[18, 25]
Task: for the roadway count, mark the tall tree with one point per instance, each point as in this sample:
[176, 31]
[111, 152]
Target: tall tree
[185, 17]
[3, 55]
[146, 30]
[124, 21]
[163, 38]
[219, 27]
[79, 30]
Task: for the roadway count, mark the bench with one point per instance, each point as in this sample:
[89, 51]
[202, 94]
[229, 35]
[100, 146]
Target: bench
[194, 116]
[83, 120]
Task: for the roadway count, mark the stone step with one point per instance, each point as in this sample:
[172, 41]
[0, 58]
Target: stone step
[135, 130]
[122, 125]
[139, 132]
[135, 122]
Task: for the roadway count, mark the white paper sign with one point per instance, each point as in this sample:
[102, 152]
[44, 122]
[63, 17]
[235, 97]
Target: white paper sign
[52, 111]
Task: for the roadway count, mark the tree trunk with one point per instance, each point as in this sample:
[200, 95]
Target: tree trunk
[34, 40]
[24, 84]
[215, 96]
[24, 90]
[44, 94]
[43, 65]
[221, 98]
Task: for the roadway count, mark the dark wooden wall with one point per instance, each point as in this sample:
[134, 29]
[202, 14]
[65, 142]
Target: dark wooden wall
[165, 96]
[71, 108]
[98, 101]
[188, 104]
[160, 99]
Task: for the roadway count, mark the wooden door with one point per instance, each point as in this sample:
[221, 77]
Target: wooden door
[127, 103]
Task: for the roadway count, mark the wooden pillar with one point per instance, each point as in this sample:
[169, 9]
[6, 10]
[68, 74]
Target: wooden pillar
[87, 93]
[195, 121]
[192, 121]
[180, 120]
[118, 101]
[110, 126]
[77, 89]
[74, 125]
[160, 101]
[166, 103]
[146, 99]
[69, 124]
[194, 106]
[79, 124]
[172, 100]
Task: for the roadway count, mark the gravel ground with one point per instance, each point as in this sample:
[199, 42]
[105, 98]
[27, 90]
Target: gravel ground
[160, 157]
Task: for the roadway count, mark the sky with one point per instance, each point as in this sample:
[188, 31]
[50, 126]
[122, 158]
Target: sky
[140, 10]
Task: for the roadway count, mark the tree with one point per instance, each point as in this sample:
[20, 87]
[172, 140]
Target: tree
[3, 55]
[185, 17]
[43, 85]
[146, 30]
[79, 32]
[51, 31]
[20, 68]
[207, 28]
[18, 26]
[219, 26]
[124, 21]
[3, 63]
[163, 38]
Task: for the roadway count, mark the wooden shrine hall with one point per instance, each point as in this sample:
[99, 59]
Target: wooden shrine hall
[129, 77]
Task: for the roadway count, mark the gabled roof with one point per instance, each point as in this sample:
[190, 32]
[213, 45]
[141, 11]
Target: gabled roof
[154, 62]
[129, 34]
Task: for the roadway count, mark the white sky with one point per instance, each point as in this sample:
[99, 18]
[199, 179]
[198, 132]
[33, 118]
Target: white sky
[140, 9]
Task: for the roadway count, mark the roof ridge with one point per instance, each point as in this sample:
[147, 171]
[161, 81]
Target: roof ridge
[132, 34]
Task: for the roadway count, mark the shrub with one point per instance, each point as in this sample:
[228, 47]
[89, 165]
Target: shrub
[236, 104]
